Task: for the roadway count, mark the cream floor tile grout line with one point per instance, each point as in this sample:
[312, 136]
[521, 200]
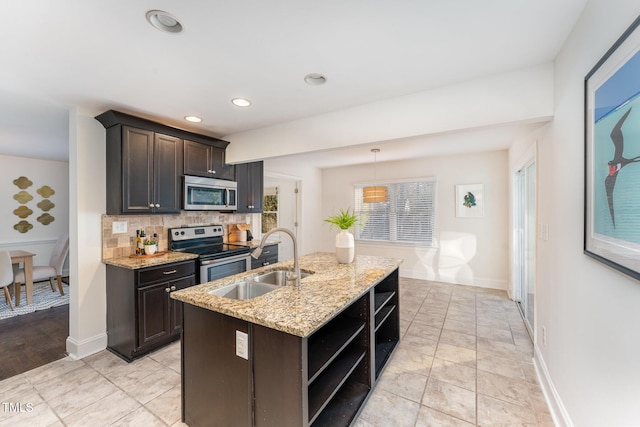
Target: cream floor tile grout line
[444, 372]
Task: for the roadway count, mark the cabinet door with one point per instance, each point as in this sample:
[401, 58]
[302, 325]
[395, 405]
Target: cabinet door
[137, 170]
[176, 306]
[153, 313]
[256, 180]
[250, 187]
[197, 159]
[167, 170]
[221, 169]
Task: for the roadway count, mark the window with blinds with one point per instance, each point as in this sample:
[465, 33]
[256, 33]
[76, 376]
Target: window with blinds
[407, 217]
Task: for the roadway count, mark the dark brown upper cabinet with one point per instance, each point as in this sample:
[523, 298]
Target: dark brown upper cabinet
[206, 160]
[250, 177]
[145, 163]
[143, 171]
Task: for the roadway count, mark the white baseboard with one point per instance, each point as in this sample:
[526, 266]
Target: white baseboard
[556, 407]
[477, 281]
[87, 347]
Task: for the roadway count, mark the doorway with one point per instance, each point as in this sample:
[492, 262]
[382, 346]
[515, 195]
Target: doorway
[287, 195]
[525, 237]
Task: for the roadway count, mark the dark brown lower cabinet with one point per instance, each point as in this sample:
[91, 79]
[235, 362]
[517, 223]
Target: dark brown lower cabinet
[287, 381]
[141, 316]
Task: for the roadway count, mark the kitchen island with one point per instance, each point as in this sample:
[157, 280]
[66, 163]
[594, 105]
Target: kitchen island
[294, 356]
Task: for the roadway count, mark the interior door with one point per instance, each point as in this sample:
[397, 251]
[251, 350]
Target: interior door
[525, 234]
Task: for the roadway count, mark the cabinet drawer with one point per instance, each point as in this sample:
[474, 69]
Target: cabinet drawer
[269, 256]
[166, 272]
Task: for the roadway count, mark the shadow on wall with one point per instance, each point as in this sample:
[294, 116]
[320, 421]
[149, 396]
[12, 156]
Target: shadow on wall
[455, 252]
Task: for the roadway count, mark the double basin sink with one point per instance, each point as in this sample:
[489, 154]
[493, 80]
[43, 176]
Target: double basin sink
[255, 286]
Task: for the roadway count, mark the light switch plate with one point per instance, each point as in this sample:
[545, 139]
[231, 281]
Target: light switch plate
[119, 227]
[242, 345]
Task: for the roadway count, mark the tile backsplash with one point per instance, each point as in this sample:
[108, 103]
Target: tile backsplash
[123, 244]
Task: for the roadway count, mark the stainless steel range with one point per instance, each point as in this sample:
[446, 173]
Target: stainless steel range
[216, 259]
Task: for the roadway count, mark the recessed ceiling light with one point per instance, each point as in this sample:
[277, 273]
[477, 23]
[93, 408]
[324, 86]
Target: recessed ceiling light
[315, 79]
[241, 102]
[194, 119]
[164, 21]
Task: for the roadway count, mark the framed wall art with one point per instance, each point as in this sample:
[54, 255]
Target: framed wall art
[612, 156]
[470, 201]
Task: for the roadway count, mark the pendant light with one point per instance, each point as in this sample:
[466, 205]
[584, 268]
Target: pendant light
[375, 193]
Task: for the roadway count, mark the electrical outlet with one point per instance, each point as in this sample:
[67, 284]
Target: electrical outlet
[119, 227]
[242, 345]
[544, 336]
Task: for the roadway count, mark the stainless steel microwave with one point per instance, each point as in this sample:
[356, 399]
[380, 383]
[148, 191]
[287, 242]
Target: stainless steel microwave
[209, 194]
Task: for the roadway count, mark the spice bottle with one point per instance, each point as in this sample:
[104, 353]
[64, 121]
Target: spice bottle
[141, 244]
[137, 243]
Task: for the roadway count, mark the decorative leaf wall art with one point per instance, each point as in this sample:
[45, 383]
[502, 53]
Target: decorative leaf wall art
[45, 219]
[22, 212]
[46, 191]
[23, 226]
[23, 197]
[23, 182]
[46, 205]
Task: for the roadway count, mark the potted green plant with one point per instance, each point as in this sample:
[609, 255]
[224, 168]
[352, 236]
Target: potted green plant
[345, 243]
[150, 246]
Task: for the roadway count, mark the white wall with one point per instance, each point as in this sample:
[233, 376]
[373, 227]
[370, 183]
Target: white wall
[590, 312]
[489, 265]
[41, 238]
[87, 191]
[310, 218]
[517, 96]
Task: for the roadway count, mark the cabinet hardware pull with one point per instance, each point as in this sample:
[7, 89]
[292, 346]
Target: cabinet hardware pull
[167, 290]
[169, 272]
[157, 205]
[173, 288]
[150, 205]
[265, 263]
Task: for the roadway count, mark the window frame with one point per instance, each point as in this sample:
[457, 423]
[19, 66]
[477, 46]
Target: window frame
[432, 244]
[267, 193]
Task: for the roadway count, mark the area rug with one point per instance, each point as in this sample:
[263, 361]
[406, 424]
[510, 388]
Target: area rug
[43, 298]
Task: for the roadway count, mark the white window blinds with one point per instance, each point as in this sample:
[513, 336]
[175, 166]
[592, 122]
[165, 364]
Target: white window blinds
[408, 216]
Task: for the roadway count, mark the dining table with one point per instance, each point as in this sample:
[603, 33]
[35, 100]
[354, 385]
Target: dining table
[26, 258]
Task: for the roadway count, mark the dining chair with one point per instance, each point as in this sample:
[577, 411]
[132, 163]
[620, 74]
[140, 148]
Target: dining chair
[49, 272]
[6, 275]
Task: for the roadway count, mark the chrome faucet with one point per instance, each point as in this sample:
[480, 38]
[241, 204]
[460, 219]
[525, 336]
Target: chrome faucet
[296, 266]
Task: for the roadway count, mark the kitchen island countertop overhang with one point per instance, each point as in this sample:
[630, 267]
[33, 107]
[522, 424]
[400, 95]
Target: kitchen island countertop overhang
[300, 310]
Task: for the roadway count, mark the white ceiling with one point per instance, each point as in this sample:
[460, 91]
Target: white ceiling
[104, 55]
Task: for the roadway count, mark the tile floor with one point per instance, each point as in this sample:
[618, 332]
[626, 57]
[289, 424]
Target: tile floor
[464, 359]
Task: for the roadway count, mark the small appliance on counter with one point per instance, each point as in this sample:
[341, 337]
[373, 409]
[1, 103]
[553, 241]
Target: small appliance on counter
[216, 258]
[240, 233]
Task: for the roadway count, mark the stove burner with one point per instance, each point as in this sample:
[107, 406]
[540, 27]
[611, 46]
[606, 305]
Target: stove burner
[205, 241]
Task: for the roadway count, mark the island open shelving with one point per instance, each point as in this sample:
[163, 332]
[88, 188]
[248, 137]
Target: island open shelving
[323, 378]
[387, 320]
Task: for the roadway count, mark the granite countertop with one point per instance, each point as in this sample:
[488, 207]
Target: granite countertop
[143, 262]
[297, 311]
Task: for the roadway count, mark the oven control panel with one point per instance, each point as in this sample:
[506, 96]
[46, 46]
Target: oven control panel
[189, 233]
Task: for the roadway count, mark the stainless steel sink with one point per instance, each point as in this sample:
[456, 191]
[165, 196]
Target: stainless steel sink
[276, 277]
[243, 290]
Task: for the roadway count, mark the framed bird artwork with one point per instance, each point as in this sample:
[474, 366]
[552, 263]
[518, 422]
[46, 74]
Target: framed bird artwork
[470, 201]
[612, 156]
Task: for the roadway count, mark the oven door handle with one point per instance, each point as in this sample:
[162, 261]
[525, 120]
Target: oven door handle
[226, 259]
